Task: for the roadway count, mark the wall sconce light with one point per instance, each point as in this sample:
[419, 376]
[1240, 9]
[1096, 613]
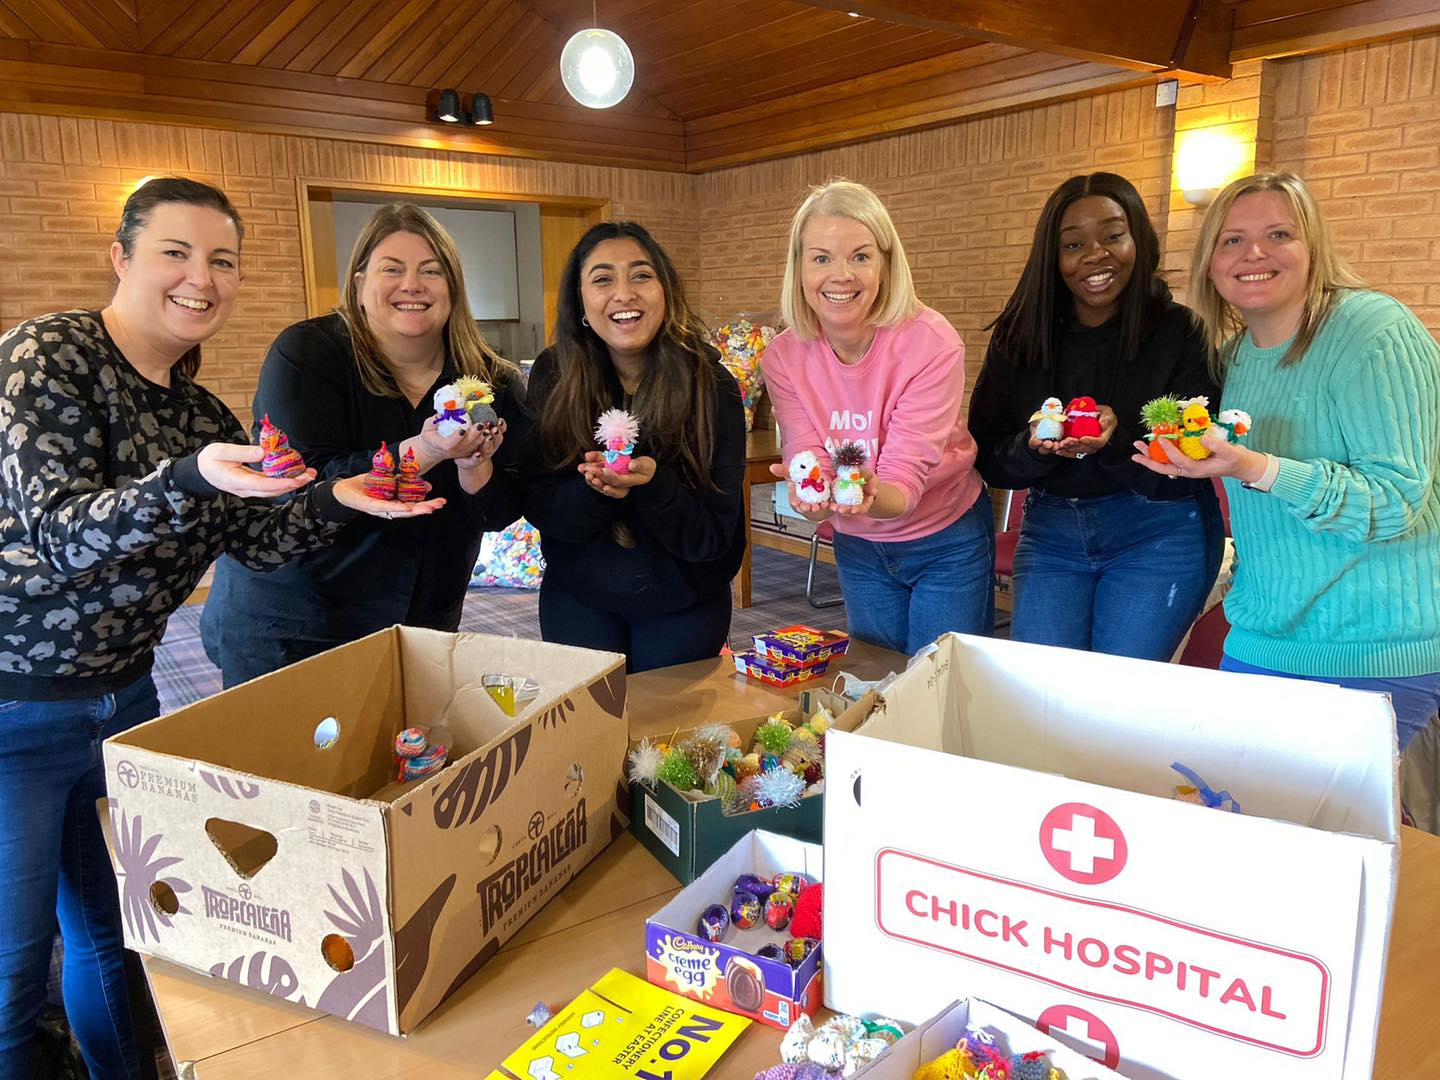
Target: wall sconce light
[1206, 159]
[448, 109]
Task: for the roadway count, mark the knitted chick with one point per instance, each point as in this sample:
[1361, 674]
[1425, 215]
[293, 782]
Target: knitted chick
[706, 752]
[849, 487]
[380, 482]
[773, 736]
[477, 395]
[678, 771]
[1195, 421]
[616, 431]
[410, 486]
[281, 459]
[1161, 416]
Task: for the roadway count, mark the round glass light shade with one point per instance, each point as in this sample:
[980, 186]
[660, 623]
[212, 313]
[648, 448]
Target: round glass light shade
[597, 68]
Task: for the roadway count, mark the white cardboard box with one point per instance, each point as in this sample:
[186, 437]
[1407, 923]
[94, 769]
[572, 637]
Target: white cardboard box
[1001, 825]
[942, 1031]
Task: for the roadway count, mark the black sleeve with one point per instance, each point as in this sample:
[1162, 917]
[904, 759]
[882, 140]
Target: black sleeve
[498, 503]
[558, 502]
[1000, 425]
[302, 389]
[1179, 356]
[697, 525]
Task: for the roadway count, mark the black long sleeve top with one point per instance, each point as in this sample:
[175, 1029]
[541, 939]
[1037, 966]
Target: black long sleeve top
[106, 524]
[688, 540]
[377, 572]
[1171, 359]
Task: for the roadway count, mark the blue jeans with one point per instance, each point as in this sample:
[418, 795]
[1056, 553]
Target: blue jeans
[53, 864]
[1416, 699]
[904, 594]
[1118, 574]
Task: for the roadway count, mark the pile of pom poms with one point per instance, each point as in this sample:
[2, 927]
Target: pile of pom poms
[977, 1057]
[784, 902]
[838, 1048]
[784, 763]
[417, 756]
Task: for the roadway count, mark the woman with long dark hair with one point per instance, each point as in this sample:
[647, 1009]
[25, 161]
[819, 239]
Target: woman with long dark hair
[638, 562]
[1111, 557]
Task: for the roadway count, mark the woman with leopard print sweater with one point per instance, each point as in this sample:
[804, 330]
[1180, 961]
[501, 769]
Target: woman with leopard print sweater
[121, 480]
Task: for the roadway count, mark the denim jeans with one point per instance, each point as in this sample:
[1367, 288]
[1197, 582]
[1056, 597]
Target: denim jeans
[1118, 574]
[904, 594]
[53, 865]
[1416, 699]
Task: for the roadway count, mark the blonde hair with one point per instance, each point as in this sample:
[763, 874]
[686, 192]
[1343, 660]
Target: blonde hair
[467, 347]
[1329, 274]
[896, 302]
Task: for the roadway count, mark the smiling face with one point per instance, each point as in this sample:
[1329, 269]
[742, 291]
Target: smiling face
[403, 289]
[1260, 264]
[841, 273]
[1097, 256]
[622, 296]
[178, 284]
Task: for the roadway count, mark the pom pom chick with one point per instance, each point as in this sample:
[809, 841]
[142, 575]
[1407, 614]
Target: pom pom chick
[811, 485]
[616, 431]
[849, 486]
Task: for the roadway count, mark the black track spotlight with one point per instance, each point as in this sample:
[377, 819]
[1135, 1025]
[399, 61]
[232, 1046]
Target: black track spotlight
[448, 107]
[481, 112]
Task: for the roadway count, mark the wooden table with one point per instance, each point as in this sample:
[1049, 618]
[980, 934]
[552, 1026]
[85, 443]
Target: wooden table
[762, 449]
[222, 1032]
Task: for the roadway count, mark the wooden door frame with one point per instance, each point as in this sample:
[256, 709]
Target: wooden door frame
[596, 210]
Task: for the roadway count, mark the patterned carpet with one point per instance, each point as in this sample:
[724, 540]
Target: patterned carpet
[183, 674]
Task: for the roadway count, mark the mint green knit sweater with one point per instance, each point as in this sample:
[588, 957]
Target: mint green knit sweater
[1337, 569]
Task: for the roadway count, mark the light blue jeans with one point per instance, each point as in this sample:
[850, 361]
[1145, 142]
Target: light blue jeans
[904, 594]
[53, 865]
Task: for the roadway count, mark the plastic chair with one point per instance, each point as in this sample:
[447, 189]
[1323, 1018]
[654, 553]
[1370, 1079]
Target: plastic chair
[824, 532]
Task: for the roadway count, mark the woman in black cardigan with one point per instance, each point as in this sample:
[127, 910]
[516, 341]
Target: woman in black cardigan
[339, 385]
[637, 562]
[1111, 557]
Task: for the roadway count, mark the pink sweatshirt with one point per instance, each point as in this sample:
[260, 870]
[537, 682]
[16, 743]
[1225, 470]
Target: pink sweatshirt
[902, 400]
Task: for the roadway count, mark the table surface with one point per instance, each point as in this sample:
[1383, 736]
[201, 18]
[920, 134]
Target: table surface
[221, 1031]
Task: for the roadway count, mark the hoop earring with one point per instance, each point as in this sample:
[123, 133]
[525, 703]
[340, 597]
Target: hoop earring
[584, 321]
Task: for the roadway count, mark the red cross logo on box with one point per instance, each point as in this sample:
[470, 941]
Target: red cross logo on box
[1080, 1029]
[1083, 844]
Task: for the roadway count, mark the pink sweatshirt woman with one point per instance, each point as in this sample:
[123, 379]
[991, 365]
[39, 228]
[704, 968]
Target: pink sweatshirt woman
[902, 400]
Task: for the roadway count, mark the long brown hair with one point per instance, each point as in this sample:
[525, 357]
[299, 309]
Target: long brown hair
[467, 347]
[173, 189]
[675, 402]
[1329, 277]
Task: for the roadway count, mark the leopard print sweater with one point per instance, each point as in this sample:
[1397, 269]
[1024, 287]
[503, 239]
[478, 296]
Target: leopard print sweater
[106, 524]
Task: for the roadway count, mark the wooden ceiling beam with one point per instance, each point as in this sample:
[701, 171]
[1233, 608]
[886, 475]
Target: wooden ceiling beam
[1287, 33]
[1188, 37]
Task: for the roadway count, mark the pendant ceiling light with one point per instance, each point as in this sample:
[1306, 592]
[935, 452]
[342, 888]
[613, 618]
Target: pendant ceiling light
[597, 68]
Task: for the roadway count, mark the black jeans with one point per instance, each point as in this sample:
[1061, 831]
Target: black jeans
[648, 641]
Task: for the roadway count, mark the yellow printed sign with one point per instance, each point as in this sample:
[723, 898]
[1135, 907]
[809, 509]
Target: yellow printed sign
[626, 1029]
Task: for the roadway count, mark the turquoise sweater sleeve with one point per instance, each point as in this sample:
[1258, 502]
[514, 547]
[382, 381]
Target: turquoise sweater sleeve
[1387, 402]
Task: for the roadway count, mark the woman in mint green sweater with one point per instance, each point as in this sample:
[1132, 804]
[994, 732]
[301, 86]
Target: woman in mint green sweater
[1336, 509]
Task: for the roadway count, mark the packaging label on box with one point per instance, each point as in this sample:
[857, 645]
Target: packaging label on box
[665, 827]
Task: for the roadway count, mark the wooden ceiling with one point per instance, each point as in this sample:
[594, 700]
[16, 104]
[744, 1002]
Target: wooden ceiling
[719, 82]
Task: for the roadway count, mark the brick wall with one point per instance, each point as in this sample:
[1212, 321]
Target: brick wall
[964, 199]
[1363, 127]
[63, 181]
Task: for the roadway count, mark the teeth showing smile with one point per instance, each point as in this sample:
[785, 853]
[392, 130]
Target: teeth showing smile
[1099, 280]
[625, 316]
[840, 297]
[189, 303]
[1264, 275]
[412, 307]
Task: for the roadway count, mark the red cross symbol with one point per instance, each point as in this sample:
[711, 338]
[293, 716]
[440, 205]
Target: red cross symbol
[1083, 1031]
[1083, 844]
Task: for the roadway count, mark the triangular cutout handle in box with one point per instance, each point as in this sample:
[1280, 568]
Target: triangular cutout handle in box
[245, 847]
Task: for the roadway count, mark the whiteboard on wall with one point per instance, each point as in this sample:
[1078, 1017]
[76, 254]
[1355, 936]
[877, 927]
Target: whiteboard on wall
[486, 239]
